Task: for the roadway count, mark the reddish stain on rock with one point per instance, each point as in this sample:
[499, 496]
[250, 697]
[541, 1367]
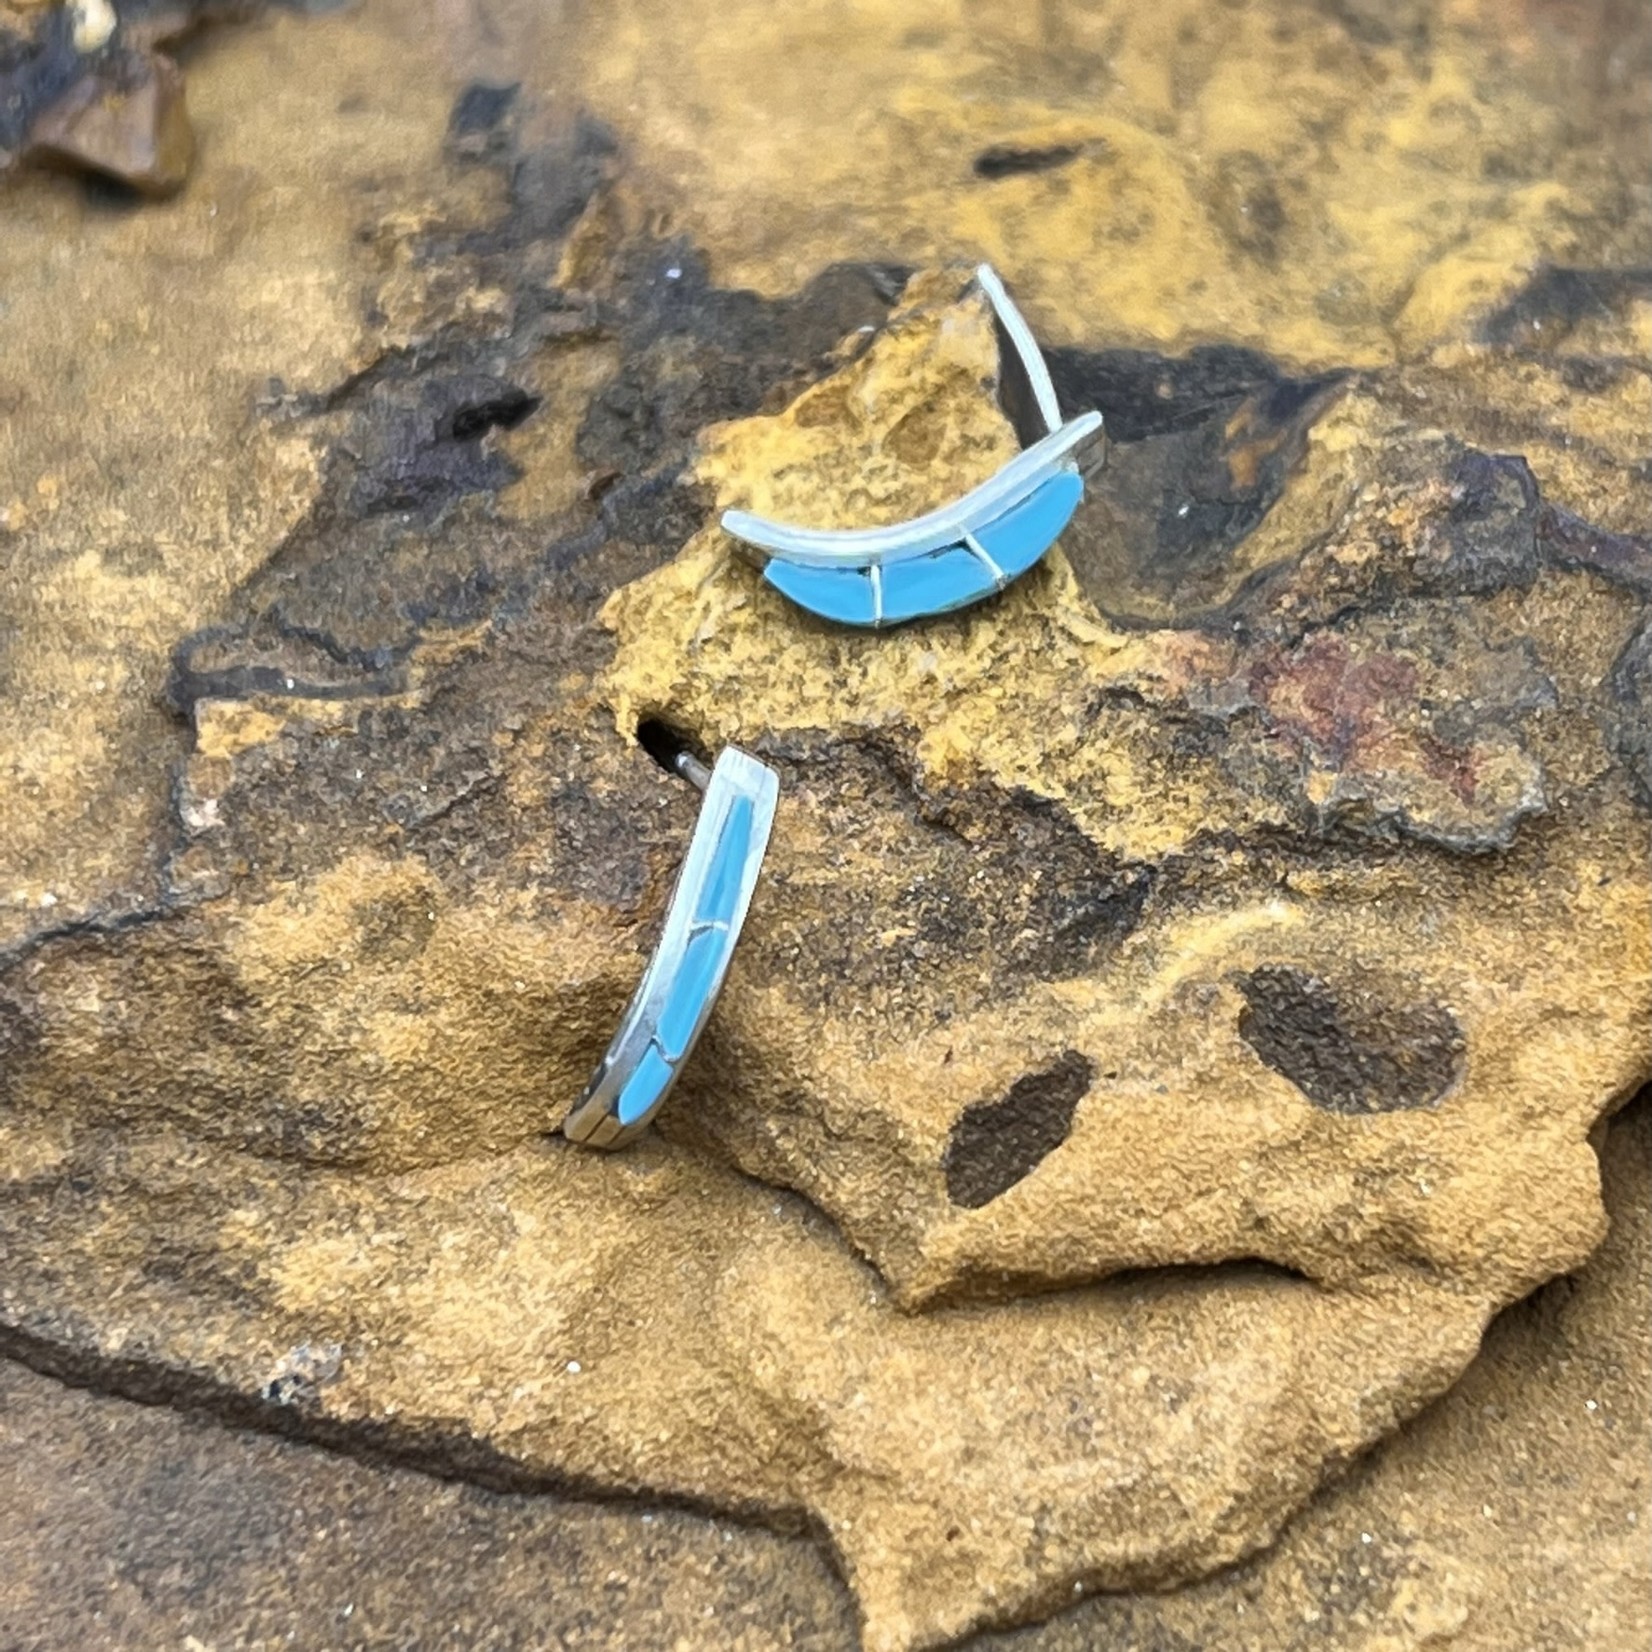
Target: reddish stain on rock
[1345, 704]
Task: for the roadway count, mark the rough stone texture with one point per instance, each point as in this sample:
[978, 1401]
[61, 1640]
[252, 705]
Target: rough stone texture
[127, 122]
[544, 1316]
[1251, 871]
[82, 88]
[1183, 992]
[1335, 183]
[1514, 1513]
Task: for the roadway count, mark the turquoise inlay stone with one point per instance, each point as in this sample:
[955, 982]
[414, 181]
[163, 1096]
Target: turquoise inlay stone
[689, 991]
[932, 584]
[841, 594]
[643, 1088]
[940, 580]
[722, 886]
[1018, 538]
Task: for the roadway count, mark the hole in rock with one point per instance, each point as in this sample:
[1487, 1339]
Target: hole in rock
[1231, 1270]
[1005, 160]
[502, 412]
[665, 744]
[103, 194]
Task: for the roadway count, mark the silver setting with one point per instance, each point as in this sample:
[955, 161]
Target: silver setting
[594, 1119]
[1054, 446]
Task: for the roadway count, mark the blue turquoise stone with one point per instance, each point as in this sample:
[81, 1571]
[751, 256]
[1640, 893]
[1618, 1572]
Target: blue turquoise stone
[1018, 538]
[932, 584]
[841, 594]
[643, 1088]
[721, 891]
[689, 991]
[941, 580]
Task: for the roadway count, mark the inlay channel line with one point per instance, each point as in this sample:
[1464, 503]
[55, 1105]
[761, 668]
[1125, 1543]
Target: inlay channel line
[965, 550]
[674, 999]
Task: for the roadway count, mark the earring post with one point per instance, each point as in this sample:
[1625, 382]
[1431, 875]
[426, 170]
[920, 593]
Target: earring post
[692, 770]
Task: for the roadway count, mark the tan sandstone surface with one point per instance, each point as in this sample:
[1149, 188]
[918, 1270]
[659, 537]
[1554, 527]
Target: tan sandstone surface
[1184, 993]
[1514, 1513]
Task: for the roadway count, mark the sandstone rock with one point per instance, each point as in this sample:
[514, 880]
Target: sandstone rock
[1262, 904]
[405, 911]
[655, 1325]
[1511, 1514]
[1130, 876]
[1286, 177]
[82, 86]
[126, 120]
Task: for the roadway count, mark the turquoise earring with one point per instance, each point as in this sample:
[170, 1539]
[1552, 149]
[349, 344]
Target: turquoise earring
[966, 550]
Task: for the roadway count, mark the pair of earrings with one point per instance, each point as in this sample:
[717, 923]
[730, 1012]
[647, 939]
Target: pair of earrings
[959, 554]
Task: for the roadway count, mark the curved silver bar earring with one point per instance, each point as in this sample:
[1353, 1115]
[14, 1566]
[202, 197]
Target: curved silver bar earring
[964, 551]
[674, 999]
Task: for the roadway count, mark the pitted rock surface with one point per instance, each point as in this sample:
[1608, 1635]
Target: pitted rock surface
[1182, 990]
[1310, 825]
[130, 1524]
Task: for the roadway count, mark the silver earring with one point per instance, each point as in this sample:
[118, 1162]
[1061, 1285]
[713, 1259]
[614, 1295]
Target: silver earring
[967, 549]
[674, 999]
